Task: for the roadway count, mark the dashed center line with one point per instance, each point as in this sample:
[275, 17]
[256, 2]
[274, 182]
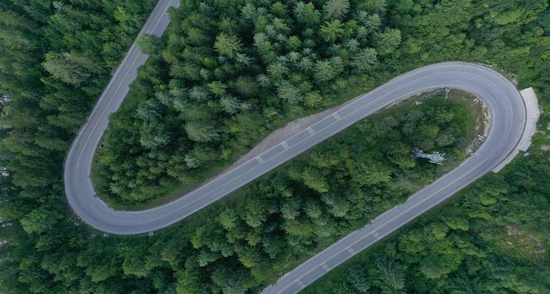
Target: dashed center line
[285, 145]
[259, 159]
[310, 130]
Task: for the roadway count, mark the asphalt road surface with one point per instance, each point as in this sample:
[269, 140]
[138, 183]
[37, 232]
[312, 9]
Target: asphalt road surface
[504, 104]
[508, 115]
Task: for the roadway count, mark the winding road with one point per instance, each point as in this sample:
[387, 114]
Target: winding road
[506, 107]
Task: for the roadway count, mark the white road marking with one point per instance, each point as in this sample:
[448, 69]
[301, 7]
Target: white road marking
[285, 145]
[350, 250]
[325, 266]
[376, 234]
[310, 130]
[302, 285]
[259, 159]
[336, 116]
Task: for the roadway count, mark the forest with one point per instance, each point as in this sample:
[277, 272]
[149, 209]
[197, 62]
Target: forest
[215, 86]
[492, 238]
[224, 75]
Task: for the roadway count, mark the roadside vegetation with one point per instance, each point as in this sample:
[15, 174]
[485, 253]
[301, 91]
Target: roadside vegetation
[491, 238]
[225, 74]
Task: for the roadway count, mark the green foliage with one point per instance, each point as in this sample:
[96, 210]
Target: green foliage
[210, 92]
[468, 245]
[336, 8]
[149, 44]
[70, 68]
[201, 131]
[358, 279]
[222, 88]
[391, 277]
[331, 30]
[227, 45]
[365, 59]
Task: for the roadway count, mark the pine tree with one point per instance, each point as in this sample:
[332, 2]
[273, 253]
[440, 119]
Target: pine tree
[227, 45]
[365, 59]
[336, 9]
[201, 131]
[70, 68]
[330, 31]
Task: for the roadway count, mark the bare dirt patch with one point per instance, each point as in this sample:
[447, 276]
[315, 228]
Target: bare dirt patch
[525, 244]
[474, 105]
[271, 140]
[284, 133]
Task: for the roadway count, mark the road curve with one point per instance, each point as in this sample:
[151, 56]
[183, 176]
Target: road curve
[508, 119]
[503, 101]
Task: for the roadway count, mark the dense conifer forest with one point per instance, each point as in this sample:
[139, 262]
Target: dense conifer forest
[223, 76]
[491, 238]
